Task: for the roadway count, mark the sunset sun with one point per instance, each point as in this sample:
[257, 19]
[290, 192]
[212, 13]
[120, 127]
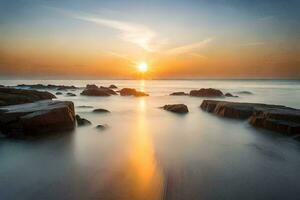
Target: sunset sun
[142, 67]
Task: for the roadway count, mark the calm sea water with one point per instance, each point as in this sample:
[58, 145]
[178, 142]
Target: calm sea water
[148, 153]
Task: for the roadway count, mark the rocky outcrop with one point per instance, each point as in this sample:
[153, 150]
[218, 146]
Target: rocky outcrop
[93, 90]
[33, 119]
[132, 92]
[206, 92]
[100, 110]
[81, 121]
[113, 87]
[272, 117]
[70, 94]
[177, 108]
[12, 96]
[178, 94]
[49, 86]
[58, 93]
[230, 95]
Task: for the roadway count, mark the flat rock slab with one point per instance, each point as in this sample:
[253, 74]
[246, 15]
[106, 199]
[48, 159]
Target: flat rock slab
[272, 117]
[12, 96]
[35, 118]
[176, 108]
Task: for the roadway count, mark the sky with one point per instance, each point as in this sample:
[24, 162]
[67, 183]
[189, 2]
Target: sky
[177, 39]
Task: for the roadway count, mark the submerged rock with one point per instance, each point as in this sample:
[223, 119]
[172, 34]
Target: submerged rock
[93, 90]
[101, 110]
[244, 92]
[230, 95]
[32, 119]
[12, 96]
[82, 121]
[132, 92]
[179, 94]
[206, 92]
[71, 94]
[272, 117]
[113, 86]
[58, 93]
[49, 86]
[101, 127]
[177, 108]
[85, 107]
[108, 90]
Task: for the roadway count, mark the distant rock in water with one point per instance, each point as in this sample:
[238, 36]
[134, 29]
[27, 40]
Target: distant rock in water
[71, 94]
[85, 107]
[82, 121]
[132, 92]
[206, 92]
[230, 95]
[2, 86]
[101, 127]
[33, 119]
[179, 94]
[272, 117]
[108, 90]
[92, 86]
[100, 110]
[113, 86]
[49, 86]
[93, 90]
[177, 108]
[12, 96]
[58, 93]
[244, 92]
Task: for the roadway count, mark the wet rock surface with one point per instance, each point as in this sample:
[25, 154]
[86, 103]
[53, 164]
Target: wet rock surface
[70, 94]
[179, 94]
[230, 95]
[176, 108]
[272, 117]
[12, 96]
[206, 92]
[100, 110]
[58, 93]
[93, 90]
[132, 92]
[101, 127]
[82, 121]
[245, 92]
[113, 86]
[33, 119]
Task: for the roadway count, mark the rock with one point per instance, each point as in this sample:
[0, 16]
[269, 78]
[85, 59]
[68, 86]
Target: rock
[108, 90]
[113, 87]
[244, 92]
[49, 86]
[100, 110]
[71, 94]
[84, 106]
[101, 127]
[230, 95]
[92, 86]
[206, 92]
[58, 93]
[33, 119]
[179, 94]
[2, 86]
[82, 121]
[132, 92]
[177, 108]
[272, 117]
[12, 96]
[95, 92]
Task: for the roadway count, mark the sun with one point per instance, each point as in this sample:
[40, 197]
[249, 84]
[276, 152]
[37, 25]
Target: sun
[142, 67]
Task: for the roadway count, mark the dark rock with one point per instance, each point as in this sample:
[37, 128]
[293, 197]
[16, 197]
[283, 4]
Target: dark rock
[95, 92]
[71, 94]
[2, 86]
[101, 127]
[113, 86]
[132, 92]
[177, 108]
[244, 92]
[49, 86]
[12, 96]
[230, 95]
[108, 90]
[92, 86]
[32, 119]
[82, 121]
[84, 106]
[100, 110]
[272, 117]
[179, 94]
[58, 93]
[206, 92]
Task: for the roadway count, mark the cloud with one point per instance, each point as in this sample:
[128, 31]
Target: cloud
[188, 48]
[137, 34]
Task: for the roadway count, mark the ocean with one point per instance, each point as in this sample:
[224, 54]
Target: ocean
[147, 153]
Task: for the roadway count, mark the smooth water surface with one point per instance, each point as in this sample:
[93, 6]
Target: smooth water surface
[148, 153]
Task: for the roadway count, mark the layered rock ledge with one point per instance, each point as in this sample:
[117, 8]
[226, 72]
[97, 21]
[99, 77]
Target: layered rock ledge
[272, 117]
[32, 119]
[12, 96]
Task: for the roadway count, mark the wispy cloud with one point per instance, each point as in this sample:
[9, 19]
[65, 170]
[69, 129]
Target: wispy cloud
[137, 34]
[252, 44]
[188, 48]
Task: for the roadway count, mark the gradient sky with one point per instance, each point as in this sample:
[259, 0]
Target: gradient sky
[178, 39]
